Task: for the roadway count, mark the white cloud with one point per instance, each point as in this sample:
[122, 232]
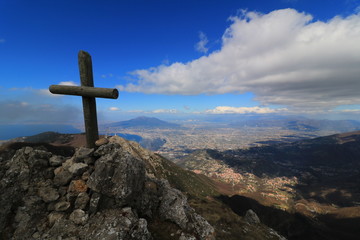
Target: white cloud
[136, 111]
[68, 83]
[21, 89]
[283, 57]
[24, 104]
[2, 40]
[357, 9]
[47, 93]
[114, 109]
[165, 111]
[243, 110]
[110, 75]
[30, 90]
[349, 110]
[156, 111]
[17, 111]
[201, 45]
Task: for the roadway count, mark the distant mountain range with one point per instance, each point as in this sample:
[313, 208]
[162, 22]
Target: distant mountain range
[285, 122]
[297, 123]
[144, 122]
[10, 131]
[302, 124]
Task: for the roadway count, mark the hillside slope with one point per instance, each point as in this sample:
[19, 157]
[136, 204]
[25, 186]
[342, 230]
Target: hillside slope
[314, 182]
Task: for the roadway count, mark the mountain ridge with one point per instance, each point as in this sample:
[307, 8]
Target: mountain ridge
[144, 122]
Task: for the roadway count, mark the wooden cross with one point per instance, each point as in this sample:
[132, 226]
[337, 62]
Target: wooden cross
[88, 93]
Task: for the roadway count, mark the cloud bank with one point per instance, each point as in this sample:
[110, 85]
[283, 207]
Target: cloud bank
[114, 109]
[283, 57]
[243, 110]
[21, 112]
[68, 83]
[201, 45]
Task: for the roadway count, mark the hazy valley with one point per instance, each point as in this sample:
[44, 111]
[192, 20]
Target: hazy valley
[179, 138]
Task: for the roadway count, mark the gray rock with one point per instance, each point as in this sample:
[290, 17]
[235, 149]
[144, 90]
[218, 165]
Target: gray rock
[36, 235]
[77, 169]
[118, 175]
[61, 229]
[94, 202]
[53, 217]
[78, 216]
[23, 220]
[56, 161]
[19, 176]
[68, 163]
[82, 200]
[39, 159]
[76, 187]
[62, 176]
[83, 153]
[62, 206]
[186, 237]
[109, 224]
[172, 205]
[28, 216]
[86, 175]
[89, 160]
[48, 194]
[150, 199]
[63, 190]
[18, 170]
[140, 230]
[251, 217]
[101, 142]
[117, 224]
[28, 150]
[201, 227]
[48, 173]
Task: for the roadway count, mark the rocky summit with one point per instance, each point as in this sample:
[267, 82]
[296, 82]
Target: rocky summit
[112, 192]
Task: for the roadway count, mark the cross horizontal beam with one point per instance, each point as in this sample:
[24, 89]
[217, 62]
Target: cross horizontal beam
[85, 91]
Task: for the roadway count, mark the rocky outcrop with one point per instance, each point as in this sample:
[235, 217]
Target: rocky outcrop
[251, 217]
[110, 193]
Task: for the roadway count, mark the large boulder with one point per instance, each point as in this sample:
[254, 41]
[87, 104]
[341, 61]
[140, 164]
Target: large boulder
[117, 174]
[174, 207]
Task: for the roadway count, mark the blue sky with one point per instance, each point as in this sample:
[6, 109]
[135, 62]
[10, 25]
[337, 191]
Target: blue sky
[179, 57]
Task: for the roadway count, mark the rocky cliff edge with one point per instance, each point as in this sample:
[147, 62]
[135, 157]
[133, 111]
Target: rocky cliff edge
[109, 193]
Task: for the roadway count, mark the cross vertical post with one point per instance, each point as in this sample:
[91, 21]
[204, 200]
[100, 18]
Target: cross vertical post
[89, 103]
[88, 93]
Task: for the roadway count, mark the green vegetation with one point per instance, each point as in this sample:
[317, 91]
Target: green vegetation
[192, 184]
